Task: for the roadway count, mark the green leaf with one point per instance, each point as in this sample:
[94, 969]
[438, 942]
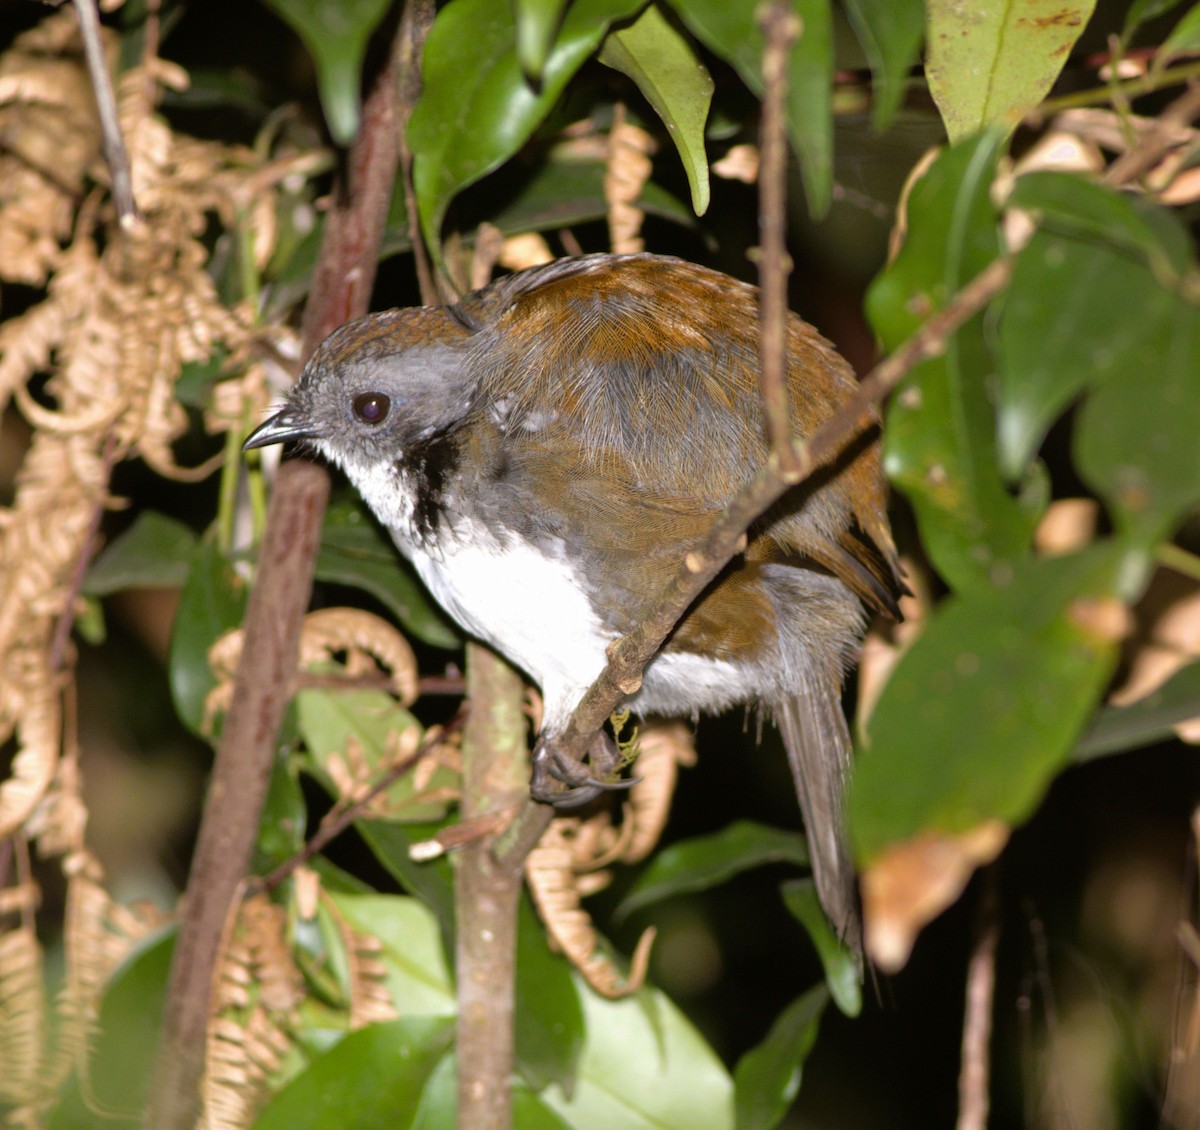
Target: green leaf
[940, 433]
[537, 23]
[890, 32]
[674, 81]
[644, 1067]
[991, 64]
[1075, 205]
[730, 31]
[284, 818]
[411, 950]
[984, 708]
[707, 861]
[767, 1077]
[1152, 719]
[477, 108]
[548, 1015]
[155, 552]
[1142, 11]
[1184, 40]
[336, 723]
[432, 882]
[1135, 440]
[843, 970]
[213, 600]
[371, 1079]
[336, 34]
[354, 552]
[129, 1022]
[439, 1103]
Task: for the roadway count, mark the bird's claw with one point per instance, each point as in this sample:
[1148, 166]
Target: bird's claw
[552, 769]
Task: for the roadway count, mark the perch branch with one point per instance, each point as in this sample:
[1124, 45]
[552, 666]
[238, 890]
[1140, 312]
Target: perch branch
[283, 584]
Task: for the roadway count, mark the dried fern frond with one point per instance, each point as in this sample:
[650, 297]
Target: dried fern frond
[550, 873]
[258, 990]
[22, 1007]
[662, 748]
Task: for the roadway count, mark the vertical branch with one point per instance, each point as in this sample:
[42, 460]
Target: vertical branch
[487, 893]
[780, 27]
[977, 1021]
[115, 154]
[283, 584]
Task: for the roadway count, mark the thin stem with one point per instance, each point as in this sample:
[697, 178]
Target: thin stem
[1131, 88]
[116, 156]
[781, 27]
[974, 1074]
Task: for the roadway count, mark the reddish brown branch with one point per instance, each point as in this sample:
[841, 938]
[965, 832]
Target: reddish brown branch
[780, 27]
[283, 583]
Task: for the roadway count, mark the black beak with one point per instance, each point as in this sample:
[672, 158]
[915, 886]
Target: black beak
[282, 426]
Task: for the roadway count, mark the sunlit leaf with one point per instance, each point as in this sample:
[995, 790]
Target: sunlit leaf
[432, 881]
[1152, 719]
[155, 552]
[439, 1103]
[336, 34]
[986, 705]
[768, 1076]
[707, 861]
[537, 21]
[890, 32]
[674, 81]
[1185, 38]
[213, 600]
[371, 1077]
[843, 970]
[940, 433]
[990, 64]
[731, 32]
[644, 1067]
[477, 107]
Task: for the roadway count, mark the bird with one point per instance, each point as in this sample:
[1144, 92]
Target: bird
[547, 449]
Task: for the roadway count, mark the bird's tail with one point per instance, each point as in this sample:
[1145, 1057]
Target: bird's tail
[818, 746]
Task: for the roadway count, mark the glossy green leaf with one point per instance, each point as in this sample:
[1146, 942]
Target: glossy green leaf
[1142, 11]
[707, 861]
[367, 723]
[371, 1079]
[731, 32]
[890, 32]
[644, 1067]
[477, 107]
[432, 882]
[767, 1077]
[336, 34]
[843, 970]
[1136, 440]
[548, 1015]
[439, 1103]
[537, 23]
[213, 600]
[355, 552]
[129, 1026]
[155, 552]
[1076, 205]
[1152, 719]
[940, 432]
[986, 705]
[674, 81]
[990, 64]
[284, 818]
[1185, 38]
[411, 952]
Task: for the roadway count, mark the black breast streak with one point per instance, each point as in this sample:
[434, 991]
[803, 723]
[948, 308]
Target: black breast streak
[429, 465]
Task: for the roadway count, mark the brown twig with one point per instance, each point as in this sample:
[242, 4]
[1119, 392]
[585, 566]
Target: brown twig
[780, 27]
[116, 156]
[341, 816]
[283, 584]
[1157, 140]
[628, 656]
[977, 1020]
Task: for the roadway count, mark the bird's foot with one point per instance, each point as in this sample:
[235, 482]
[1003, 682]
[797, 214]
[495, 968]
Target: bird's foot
[552, 769]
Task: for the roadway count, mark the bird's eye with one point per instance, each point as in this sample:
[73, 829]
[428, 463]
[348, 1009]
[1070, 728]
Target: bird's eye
[371, 407]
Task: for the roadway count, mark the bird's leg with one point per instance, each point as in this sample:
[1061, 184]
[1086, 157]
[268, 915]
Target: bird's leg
[552, 769]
